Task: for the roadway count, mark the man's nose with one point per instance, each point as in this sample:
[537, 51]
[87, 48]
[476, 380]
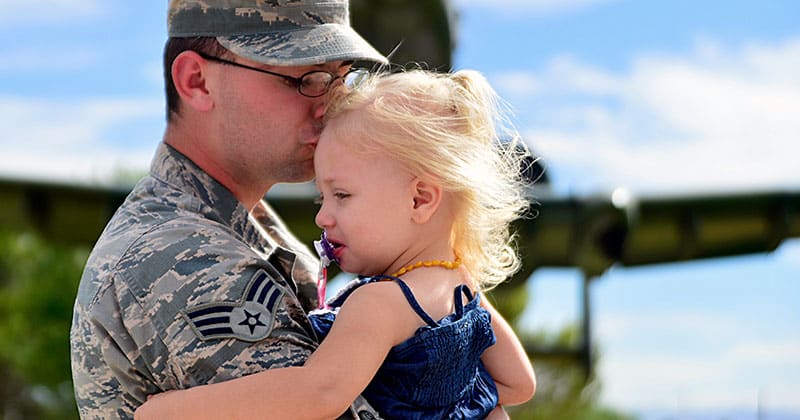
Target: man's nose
[321, 107]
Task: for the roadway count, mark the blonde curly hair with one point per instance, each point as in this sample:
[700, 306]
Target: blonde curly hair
[448, 128]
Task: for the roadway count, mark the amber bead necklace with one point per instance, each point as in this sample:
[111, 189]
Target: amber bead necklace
[450, 265]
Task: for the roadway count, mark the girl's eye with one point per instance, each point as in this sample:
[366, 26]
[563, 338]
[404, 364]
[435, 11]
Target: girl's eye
[318, 200]
[341, 195]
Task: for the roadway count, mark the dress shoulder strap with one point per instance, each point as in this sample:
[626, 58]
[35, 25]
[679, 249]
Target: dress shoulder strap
[412, 301]
[458, 299]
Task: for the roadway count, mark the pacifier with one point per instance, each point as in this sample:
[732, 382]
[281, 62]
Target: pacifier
[326, 257]
[325, 250]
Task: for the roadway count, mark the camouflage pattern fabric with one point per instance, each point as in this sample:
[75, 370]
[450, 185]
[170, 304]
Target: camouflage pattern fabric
[275, 32]
[185, 287]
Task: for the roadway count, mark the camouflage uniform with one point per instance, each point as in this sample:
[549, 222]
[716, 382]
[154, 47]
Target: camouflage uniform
[184, 288]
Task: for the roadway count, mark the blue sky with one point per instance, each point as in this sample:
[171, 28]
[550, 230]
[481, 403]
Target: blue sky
[668, 97]
[678, 97]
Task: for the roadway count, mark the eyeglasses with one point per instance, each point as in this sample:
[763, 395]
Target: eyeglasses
[312, 84]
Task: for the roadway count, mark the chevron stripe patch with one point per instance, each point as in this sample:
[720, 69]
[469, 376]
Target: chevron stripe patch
[249, 319]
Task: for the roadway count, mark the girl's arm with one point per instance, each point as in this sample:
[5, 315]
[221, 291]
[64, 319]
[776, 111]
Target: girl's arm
[507, 362]
[365, 330]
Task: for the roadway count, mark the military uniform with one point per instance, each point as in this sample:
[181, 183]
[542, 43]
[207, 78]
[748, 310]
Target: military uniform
[184, 288]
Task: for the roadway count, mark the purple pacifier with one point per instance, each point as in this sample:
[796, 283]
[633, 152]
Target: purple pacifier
[325, 250]
[326, 256]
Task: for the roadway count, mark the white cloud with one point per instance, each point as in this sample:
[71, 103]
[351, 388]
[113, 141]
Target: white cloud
[716, 120]
[86, 166]
[76, 140]
[733, 373]
[620, 326]
[532, 7]
[50, 11]
[784, 354]
[34, 60]
[520, 83]
[647, 381]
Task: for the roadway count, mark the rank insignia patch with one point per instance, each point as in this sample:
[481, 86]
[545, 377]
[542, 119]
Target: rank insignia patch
[250, 319]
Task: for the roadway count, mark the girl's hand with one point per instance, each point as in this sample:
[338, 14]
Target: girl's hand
[145, 411]
[499, 413]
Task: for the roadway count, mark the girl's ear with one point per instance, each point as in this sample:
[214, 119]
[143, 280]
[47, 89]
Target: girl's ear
[427, 197]
[189, 72]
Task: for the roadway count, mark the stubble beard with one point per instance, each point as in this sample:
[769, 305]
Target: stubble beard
[297, 171]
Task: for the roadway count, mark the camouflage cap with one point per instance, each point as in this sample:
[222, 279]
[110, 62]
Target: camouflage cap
[274, 32]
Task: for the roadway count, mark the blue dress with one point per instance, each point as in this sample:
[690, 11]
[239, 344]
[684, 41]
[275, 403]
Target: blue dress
[435, 374]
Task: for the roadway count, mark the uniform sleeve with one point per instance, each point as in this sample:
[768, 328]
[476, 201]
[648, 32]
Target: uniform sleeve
[189, 306]
[207, 308]
[109, 378]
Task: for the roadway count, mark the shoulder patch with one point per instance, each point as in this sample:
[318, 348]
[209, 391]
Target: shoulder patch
[249, 319]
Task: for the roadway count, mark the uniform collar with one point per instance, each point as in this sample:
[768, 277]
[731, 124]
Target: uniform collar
[216, 202]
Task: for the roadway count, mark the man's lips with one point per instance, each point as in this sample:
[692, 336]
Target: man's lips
[310, 144]
[311, 140]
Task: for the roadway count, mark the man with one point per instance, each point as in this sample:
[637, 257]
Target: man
[195, 280]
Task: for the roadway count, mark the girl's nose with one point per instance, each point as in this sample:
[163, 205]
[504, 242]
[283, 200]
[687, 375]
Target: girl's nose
[323, 219]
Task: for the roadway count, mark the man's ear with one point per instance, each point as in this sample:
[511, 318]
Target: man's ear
[189, 76]
[427, 197]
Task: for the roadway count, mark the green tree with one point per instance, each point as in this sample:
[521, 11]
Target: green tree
[38, 284]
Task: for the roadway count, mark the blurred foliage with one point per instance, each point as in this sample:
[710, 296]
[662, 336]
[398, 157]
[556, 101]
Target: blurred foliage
[418, 32]
[563, 390]
[124, 177]
[38, 283]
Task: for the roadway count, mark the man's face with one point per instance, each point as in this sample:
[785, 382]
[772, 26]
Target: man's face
[267, 129]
